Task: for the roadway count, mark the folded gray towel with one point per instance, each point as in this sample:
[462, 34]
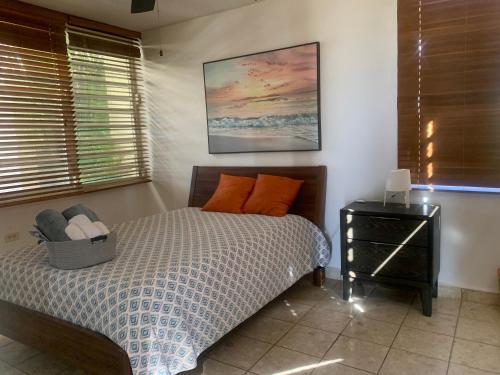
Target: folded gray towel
[39, 234]
[79, 209]
[53, 225]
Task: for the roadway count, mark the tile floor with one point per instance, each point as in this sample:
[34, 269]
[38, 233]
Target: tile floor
[310, 330]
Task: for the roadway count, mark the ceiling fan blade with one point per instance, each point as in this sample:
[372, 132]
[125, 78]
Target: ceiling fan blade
[141, 6]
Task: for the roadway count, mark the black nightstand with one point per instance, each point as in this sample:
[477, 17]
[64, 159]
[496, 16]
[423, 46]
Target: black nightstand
[391, 244]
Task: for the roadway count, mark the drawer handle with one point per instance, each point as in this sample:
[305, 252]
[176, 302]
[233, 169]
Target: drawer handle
[384, 218]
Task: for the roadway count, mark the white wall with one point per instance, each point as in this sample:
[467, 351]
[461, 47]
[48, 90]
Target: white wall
[112, 206]
[470, 238]
[359, 114]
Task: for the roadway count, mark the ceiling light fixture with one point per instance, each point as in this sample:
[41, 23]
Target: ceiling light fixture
[141, 6]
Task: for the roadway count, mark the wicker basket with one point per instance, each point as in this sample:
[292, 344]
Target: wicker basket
[71, 255]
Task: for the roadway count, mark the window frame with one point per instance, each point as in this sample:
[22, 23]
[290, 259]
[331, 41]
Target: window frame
[54, 166]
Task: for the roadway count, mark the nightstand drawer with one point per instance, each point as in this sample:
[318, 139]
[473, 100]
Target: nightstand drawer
[386, 229]
[409, 262]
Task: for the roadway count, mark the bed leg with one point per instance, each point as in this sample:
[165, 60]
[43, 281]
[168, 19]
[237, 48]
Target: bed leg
[319, 276]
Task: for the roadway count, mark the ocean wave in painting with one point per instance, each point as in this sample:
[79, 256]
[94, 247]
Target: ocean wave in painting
[303, 125]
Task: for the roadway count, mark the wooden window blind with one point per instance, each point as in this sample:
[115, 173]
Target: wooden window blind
[449, 92]
[36, 112]
[71, 119]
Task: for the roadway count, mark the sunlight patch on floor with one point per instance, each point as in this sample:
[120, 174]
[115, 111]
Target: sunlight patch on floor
[309, 367]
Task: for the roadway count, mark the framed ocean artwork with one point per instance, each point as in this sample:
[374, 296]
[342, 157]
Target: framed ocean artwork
[264, 102]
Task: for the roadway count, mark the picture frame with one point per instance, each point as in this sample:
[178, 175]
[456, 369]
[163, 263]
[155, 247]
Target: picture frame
[267, 101]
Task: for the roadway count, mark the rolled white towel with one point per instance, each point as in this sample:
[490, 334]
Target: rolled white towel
[79, 219]
[88, 228]
[74, 232]
[103, 228]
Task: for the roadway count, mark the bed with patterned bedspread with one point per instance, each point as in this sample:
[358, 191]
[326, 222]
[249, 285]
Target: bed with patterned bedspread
[181, 280]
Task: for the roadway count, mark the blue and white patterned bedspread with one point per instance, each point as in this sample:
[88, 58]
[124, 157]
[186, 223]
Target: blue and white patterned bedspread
[181, 281]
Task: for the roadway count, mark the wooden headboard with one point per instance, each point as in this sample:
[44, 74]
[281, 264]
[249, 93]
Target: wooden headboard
[310, 202]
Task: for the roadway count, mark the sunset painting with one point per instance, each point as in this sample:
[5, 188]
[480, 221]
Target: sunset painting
[264, 102]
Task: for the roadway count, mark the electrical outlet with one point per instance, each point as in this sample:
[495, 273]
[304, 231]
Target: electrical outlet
[11, 237]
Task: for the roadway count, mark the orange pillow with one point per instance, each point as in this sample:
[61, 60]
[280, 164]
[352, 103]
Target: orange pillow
[272, 195]
[230, 195]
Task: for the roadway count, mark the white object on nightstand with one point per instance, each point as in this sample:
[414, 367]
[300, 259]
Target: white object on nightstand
[399, 181]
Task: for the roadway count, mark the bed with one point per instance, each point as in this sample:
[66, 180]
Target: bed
[182, 280]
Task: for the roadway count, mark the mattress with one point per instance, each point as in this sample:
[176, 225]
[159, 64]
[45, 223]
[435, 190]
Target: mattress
[182, 280]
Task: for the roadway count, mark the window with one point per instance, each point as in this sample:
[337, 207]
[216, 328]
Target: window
[106, 76]
[449, 93]
[71, 117]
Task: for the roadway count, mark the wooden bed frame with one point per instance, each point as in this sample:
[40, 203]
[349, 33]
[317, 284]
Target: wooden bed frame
[310, 202]
[95, 353]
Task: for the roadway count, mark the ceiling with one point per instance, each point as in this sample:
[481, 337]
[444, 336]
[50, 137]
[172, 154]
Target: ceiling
[117, 12]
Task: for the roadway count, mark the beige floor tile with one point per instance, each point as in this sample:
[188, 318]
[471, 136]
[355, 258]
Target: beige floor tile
[449, 292]
[334, 284]
[362, 355]
[482, 312]
[303, 301]
[4, 341]
[352, 307]
[475, 330]
[43, 364]
[239, 351]
[371, 330]
[450, 306]
[15, 353]
[393, 294]
[476, 355]
[400, 362]
[210, 367]
[385, 310]
[298, 295]
[308, 295]
[359, 290]
[481, 297]
[265, 329]
[280, 359]
[285, 310]
[425, 343]
[325, 319]
[437, 323]
[463, 370]
[6, 369]
[308, 340]
[73, 371]
[307, 281]
[364, 289]
[328, 368]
